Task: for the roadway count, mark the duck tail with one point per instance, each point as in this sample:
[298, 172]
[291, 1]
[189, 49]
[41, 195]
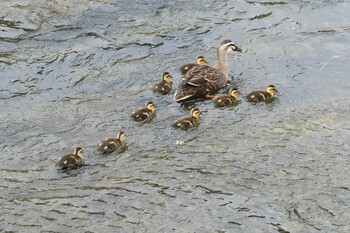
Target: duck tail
[180, 95]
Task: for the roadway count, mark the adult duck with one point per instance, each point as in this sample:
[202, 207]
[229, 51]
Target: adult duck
[204, 80]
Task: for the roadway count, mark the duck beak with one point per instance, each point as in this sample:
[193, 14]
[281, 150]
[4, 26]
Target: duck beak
[235, 48]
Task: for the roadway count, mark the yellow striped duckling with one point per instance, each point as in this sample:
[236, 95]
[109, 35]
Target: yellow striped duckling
[200, 61]
[142, 114]
[109, 145]
[72, 160]
[226, 99]
[262, 95]
[188, 122]
[164, 85]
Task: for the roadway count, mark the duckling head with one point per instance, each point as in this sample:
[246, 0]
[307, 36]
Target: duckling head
[271, 89]
[121, 136]
[78, 152]
[195, 112]
[166, 77]
[227, 45]
[201, 60]
[150, 105]
[234, 92]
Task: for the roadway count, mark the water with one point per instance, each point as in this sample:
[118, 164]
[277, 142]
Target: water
[73, 71]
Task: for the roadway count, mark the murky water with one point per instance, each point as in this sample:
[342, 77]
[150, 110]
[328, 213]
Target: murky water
[73, 71]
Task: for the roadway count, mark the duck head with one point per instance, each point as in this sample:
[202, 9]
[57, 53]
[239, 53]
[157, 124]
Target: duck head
[150, 105]
[166, 77]
[228, 45]
[234, 92]
[121, 136]
[195, 112]
[78, 152]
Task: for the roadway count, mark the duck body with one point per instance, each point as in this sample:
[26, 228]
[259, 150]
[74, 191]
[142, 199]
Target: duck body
[184, 68]
[226, 99]
[109, 145]
[70, 161]
[259, 96]
[163, 86]
[142, 114]
[262, 95]
[188, 122]
[205, 80]
[200, 81]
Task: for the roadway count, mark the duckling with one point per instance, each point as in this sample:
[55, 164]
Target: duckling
[188, 122]
[142, 114]
[109, 145]
[200, 61]
[226, 99]
[164, 85]
[204, 80]
[262, 95]
[71, 160]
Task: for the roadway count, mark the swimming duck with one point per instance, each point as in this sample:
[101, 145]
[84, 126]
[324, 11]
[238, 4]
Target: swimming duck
[200, 61]
[226, 99]
[164, 85]
[142, 114]
[71, 160]
[262, 95]
[204, 80]
[188, 122]
[109, 145]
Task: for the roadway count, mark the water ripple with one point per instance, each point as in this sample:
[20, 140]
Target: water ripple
[73, 75]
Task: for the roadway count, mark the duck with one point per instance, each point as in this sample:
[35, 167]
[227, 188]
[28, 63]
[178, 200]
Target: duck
[262, 95]
[226, 99]
[142, 114]
[164, 85]
[72, 160]
[188, 122]
[109, 145]
[199, 61]
[205, 80]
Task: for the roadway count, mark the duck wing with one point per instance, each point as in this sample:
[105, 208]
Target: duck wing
[203, 75]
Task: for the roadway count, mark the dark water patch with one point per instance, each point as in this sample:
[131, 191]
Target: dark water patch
[261, 16]
[212, 191]
[4, 58]
[267, 3]
[9, 23]
[235, 223]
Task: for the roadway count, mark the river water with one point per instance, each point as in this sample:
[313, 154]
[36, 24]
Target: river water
[73, 71]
